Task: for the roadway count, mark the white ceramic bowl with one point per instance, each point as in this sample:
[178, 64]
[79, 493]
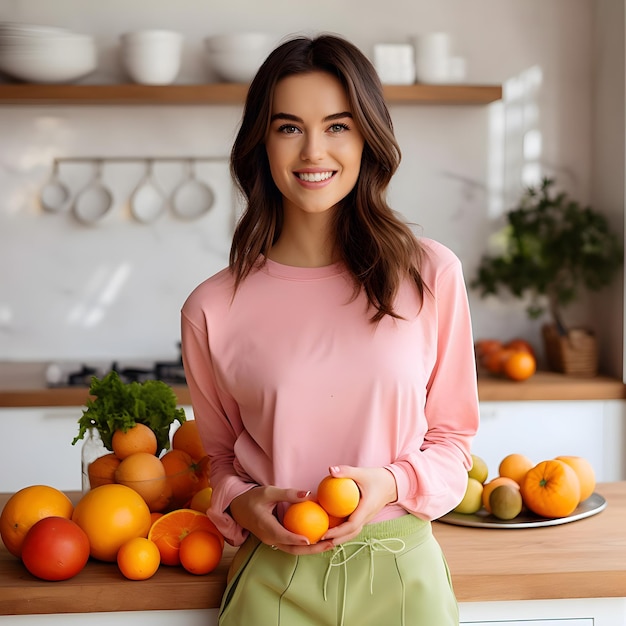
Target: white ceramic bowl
[152, 57]
[48, 57]
[235, 58]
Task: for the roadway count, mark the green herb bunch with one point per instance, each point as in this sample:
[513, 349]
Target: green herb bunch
[119, 405]
[552, 247]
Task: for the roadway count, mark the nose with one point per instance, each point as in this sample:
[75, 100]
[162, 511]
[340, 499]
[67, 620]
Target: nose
[312, 147]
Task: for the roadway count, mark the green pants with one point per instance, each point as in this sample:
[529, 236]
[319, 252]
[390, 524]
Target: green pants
[392, 574]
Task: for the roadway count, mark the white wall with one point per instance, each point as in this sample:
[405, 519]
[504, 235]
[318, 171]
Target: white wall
[461, 165]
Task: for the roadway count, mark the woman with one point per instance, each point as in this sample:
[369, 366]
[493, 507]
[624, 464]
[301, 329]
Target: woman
[336, 341]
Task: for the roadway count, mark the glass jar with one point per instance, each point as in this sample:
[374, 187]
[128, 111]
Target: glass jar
[91, 450]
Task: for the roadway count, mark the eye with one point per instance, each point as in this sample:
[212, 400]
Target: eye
[338, 127]
[288, 129]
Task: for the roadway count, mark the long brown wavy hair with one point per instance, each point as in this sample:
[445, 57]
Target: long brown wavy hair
[377, 247]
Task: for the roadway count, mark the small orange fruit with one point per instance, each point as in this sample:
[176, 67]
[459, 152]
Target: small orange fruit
[491, 485]
[551, 489]
[338, 496]
[144, 473]
[200, 552]
[515, 466]
[306, 518]
[101, 471]
[520, 345]
[494, 360]
[170, 529]
[26, 507]
[584, 471]
[138, 438]
[186, 437]
[154, 516]
[201, 500]
[138, 558]
[519, 366]
[484, 346]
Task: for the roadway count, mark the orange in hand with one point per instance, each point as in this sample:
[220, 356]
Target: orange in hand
[338, 496]
[306, 518]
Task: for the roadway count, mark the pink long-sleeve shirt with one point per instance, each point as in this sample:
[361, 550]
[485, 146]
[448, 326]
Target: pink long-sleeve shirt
[290, 377]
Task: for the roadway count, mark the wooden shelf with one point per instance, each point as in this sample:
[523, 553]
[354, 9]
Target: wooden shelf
[550, 386]
[219, 93]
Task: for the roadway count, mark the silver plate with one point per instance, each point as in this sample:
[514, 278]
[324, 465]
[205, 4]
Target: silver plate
[591, 506]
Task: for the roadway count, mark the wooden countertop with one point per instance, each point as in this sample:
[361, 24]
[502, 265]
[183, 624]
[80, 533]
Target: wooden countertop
[582, 559]
[542, 386]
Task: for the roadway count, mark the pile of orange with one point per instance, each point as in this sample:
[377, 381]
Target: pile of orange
[514, 359]
[552, 488]
[165, 483]
[336, 499]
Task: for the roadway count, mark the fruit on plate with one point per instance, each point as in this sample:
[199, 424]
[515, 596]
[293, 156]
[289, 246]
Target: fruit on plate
[472, 500]
[505, 502]
[479, 469]
[551, 489]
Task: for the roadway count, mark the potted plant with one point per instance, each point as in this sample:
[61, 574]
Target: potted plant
[552, 248]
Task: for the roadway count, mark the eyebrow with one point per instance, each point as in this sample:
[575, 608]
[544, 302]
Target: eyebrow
[295, 118]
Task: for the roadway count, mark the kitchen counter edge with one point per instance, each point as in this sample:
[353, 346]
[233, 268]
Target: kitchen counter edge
[542, 386]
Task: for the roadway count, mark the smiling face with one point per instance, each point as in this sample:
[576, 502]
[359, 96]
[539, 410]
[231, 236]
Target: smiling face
[313, 145]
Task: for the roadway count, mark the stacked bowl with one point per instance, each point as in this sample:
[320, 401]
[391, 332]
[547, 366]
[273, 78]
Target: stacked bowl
[236, 57]
[152, 57]
[44, 54]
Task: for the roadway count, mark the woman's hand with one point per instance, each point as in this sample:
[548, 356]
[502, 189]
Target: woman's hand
[254, 510]
[378, 488]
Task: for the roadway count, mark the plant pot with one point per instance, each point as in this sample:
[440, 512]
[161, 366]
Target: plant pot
[575, 353]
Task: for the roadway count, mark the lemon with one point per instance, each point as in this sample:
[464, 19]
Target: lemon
[479, 469]
[473, 498]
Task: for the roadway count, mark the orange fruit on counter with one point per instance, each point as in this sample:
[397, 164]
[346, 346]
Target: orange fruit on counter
[111, 515]
[138, 438]
[144, 473]
[519, 366]
[338, 496]
[203, 471]
[101, 471]
[585, 472]
[26, 507]
[494, 361]
[306, 518]
[484, 346]
[138, 558]
[200, 552]
[180, 470]
[515, 466]
[520, 345]
[169, 530]
[551, 489]
[187, 438]
[491, 485]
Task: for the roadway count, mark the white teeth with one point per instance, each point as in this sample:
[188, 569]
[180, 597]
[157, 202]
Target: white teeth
[314, 178]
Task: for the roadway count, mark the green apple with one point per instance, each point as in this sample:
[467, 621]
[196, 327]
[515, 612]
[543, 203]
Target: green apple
[473, 498]
[479, 470]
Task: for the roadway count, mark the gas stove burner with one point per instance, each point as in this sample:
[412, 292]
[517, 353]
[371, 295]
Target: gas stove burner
[169, 372]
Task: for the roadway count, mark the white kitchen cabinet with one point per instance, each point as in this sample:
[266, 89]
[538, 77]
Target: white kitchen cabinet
[36, 448]
[594, 429]
[570, 612]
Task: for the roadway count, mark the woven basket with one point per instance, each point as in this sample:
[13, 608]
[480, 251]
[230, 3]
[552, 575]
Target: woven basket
[575, 353]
